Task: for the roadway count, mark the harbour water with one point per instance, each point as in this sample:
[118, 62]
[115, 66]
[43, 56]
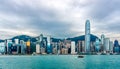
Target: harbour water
[60, 62]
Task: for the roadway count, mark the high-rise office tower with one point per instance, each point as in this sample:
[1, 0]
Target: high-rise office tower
[111, 47]
[107, 45]
[23, 47]
[116, 46]
[55, 47]
[41, 37]
[81, 46]
[102, 39]
[9, 45]
[102, 42]
[92, 46]
[2, 48]
[49, 50]
[87, 36]
[16, 41]
[97, 45]
[73, 47]
[28, 46]
[45, 45]
[38, 48]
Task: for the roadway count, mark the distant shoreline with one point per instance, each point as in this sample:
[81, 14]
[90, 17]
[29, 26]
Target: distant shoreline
[58, 55]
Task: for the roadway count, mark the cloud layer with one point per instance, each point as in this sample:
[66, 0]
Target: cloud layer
[58, 18]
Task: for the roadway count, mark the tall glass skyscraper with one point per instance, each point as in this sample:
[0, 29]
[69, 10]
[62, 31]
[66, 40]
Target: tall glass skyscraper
[102, 39]
[107, 45]
[49, 49]
[41, 37]
[102, 43]
[87, 36]
[97, 45]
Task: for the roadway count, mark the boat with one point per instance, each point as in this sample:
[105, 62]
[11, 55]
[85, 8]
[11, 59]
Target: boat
[33, 54]
[98, 53]
[80, 56]
[111, 54]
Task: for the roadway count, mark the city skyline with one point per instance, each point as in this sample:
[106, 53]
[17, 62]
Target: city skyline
[58, 18]
[59, 34]
[47, 45]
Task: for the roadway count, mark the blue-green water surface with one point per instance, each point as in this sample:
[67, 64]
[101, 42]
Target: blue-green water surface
[60, 62]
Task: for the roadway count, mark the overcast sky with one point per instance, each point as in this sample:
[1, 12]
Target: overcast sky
[59, 18]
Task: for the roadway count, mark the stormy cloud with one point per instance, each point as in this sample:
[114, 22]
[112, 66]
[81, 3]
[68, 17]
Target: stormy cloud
[58, 18]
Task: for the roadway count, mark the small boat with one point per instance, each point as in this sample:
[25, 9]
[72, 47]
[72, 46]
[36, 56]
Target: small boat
[80, 56]
[33, 54]
[98, 53]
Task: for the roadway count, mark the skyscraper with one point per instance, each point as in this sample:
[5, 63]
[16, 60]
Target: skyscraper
[23, 47]
[107, 45]
[111, 47]
[97, 45]
[116, 46]
[49, 50]
[87, 36]
[9, 45]
[102, 39]
[37, 48]
[41, 37]
[16, 41]
[73, 47]
[28, 46]
[2, 47]
[102, 43]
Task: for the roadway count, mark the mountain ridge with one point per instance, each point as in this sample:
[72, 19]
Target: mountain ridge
[33, 39]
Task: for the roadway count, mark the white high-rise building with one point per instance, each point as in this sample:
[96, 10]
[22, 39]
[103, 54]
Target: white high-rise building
[2, 47]
[9, 42]
[22, 43]
[73, 47]
[16, 41]
[102, 39]
[37, 48]
[107, 44]
[111, 47]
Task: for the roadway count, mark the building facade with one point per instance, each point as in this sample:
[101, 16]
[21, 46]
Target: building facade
[73, 47]
[87, 36]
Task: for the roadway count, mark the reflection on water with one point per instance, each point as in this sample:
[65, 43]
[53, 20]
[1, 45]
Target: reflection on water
[60, 62]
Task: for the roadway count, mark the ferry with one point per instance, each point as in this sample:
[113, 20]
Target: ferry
[80, 56]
